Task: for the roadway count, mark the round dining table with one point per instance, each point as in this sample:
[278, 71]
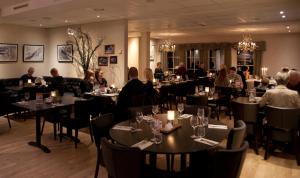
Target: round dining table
[178, 141]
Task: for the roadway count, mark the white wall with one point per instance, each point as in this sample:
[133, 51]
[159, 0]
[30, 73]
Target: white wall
[23, 35]
[133, 52]
[281, 49]
[113, 32]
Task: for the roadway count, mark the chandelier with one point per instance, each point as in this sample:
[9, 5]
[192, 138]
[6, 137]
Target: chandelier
[167, 46]
[246, 45]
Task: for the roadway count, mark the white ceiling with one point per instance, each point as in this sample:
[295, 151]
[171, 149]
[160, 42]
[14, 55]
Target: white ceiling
[163, 18]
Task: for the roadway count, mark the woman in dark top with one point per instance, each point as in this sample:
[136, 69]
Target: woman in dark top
[151, 93]
[158, 72]
[100, 80]
[88, 82]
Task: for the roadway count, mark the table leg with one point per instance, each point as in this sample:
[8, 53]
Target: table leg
[183, 161]
[37, 142]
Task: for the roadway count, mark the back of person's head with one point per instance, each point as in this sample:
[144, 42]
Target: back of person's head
[294, 77]
[54, 72]
[181, 64]
[158, 64]
[232, 69]
[282, 78]
[133, 73]
[223, 72]
[265, 81]
[89, 74]
[244, 68]
[149, 74]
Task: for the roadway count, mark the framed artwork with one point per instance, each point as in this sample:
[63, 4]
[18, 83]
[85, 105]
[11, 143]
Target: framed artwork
[33, 53]
[109, 49]
[102, 61]
[8, 52]
[65, 53]
[113, 59]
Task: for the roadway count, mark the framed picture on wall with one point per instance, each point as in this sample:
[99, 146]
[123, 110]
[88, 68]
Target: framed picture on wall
[102, 61]
[33, 53]
[8, 52]
[65, 53]
[113, 59]
[109, 49]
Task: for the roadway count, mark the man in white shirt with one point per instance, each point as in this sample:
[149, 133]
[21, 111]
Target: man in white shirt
[281, 96]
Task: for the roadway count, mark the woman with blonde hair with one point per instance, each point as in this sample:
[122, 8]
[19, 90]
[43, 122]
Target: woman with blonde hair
[151, 93]
[222, 80]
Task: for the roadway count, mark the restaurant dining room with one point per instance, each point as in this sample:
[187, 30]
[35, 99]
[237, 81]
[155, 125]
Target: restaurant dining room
[149, 88]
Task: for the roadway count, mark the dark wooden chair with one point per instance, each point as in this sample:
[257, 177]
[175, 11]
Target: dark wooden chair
[224, 99]
[100, 127]
[5, 105]
[79, 119]
[283, 126]
[102, 105]
[201, 100]
[249, 114]
[236, 135]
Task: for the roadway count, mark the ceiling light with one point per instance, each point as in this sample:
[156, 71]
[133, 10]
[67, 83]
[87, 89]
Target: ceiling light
[281, 12]
[246, 44]
[167, 46]
[289, 31]
[41, 25]
[66, 21]
[283, 16]
[287, 27]
[98, 16]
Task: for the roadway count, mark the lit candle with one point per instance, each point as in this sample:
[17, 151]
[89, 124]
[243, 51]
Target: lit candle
[53, 93]
[210, 74]
[178, 77]
[171, 115]
[29, 81]
[154, 80]
[113, 86]
[206, 89]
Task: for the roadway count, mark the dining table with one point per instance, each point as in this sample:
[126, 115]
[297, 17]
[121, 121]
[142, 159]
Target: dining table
[39, 108]
[178, 141]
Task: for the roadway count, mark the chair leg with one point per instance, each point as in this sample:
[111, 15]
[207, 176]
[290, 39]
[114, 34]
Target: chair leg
[8, 120]
[76, 137]
[98, 163]
[42, 130]
[91, 133]
[60, 133]
[54, 130]
[267, 147]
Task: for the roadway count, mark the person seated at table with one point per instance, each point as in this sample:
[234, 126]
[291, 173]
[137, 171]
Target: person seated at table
[28, 76]
[294, 80]
[132, 89]
[181, 71]
[244, 73]
[263, 86]
[235, 78]
[281, 96]
[221, 79]
[56, 82]
[158, 72]
[200, 72]
[99, 79]
[88, 82]
[151, 93]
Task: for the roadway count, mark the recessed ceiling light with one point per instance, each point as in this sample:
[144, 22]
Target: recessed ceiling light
[281, 12]
[283, 16]
[289, 31]
[287, 27]
[41, 25]
[66, 21]
[98, 16]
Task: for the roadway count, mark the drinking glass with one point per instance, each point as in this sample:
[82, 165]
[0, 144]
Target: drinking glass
[201, 132]
[212, 90]
[200, 88]
[26, 96]
[155, 126]
[194, 123]
[205, 121]
[158, 138]
[180, 108]
[155, 109]
[139, 119]
[200, 112]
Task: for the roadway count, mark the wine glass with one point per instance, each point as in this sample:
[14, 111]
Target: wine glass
[180, 108]
[201, 131]
[139, 119]
[155, 109]
[155, 126]
[200, 112]
[194, 123]
[26, 96]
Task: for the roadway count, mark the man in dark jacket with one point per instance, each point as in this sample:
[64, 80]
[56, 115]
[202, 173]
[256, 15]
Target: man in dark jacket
[57, 81]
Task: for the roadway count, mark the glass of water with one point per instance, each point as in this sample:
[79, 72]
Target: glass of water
[180, 108]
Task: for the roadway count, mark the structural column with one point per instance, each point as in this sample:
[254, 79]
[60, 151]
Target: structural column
[144, 54]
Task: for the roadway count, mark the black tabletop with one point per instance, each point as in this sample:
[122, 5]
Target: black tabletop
[32, 105]
[178, 141]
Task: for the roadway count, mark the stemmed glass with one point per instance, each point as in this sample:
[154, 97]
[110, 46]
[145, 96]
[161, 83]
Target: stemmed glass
[194, 123]
[139, 119]
[155, 109]
[155, 126]
[26, 96]
[200, 112]
[180, 108]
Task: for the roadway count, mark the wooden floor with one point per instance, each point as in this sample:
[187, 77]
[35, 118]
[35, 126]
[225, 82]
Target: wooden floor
[18, 159]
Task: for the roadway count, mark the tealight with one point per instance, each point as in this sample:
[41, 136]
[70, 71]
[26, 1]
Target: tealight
[171, 115]
[53, 94]
[29, 81]
[206, 89]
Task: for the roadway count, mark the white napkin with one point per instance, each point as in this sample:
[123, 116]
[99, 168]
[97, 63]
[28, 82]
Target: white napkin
[142, 144]
[207, 141]
[110, 94]
[122, 127]
[186, 116]
[147, 118]
[212, 126]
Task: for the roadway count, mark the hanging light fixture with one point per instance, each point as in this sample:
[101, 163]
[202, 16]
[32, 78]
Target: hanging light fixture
[167, 46]
[246, 45]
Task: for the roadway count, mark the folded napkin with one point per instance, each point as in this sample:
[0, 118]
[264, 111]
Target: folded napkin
[110, 94]
[122, 127]
[212, 126]
[186, 116]
[23, 102]
[206, 141]
[147, 118]
[142, 144]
